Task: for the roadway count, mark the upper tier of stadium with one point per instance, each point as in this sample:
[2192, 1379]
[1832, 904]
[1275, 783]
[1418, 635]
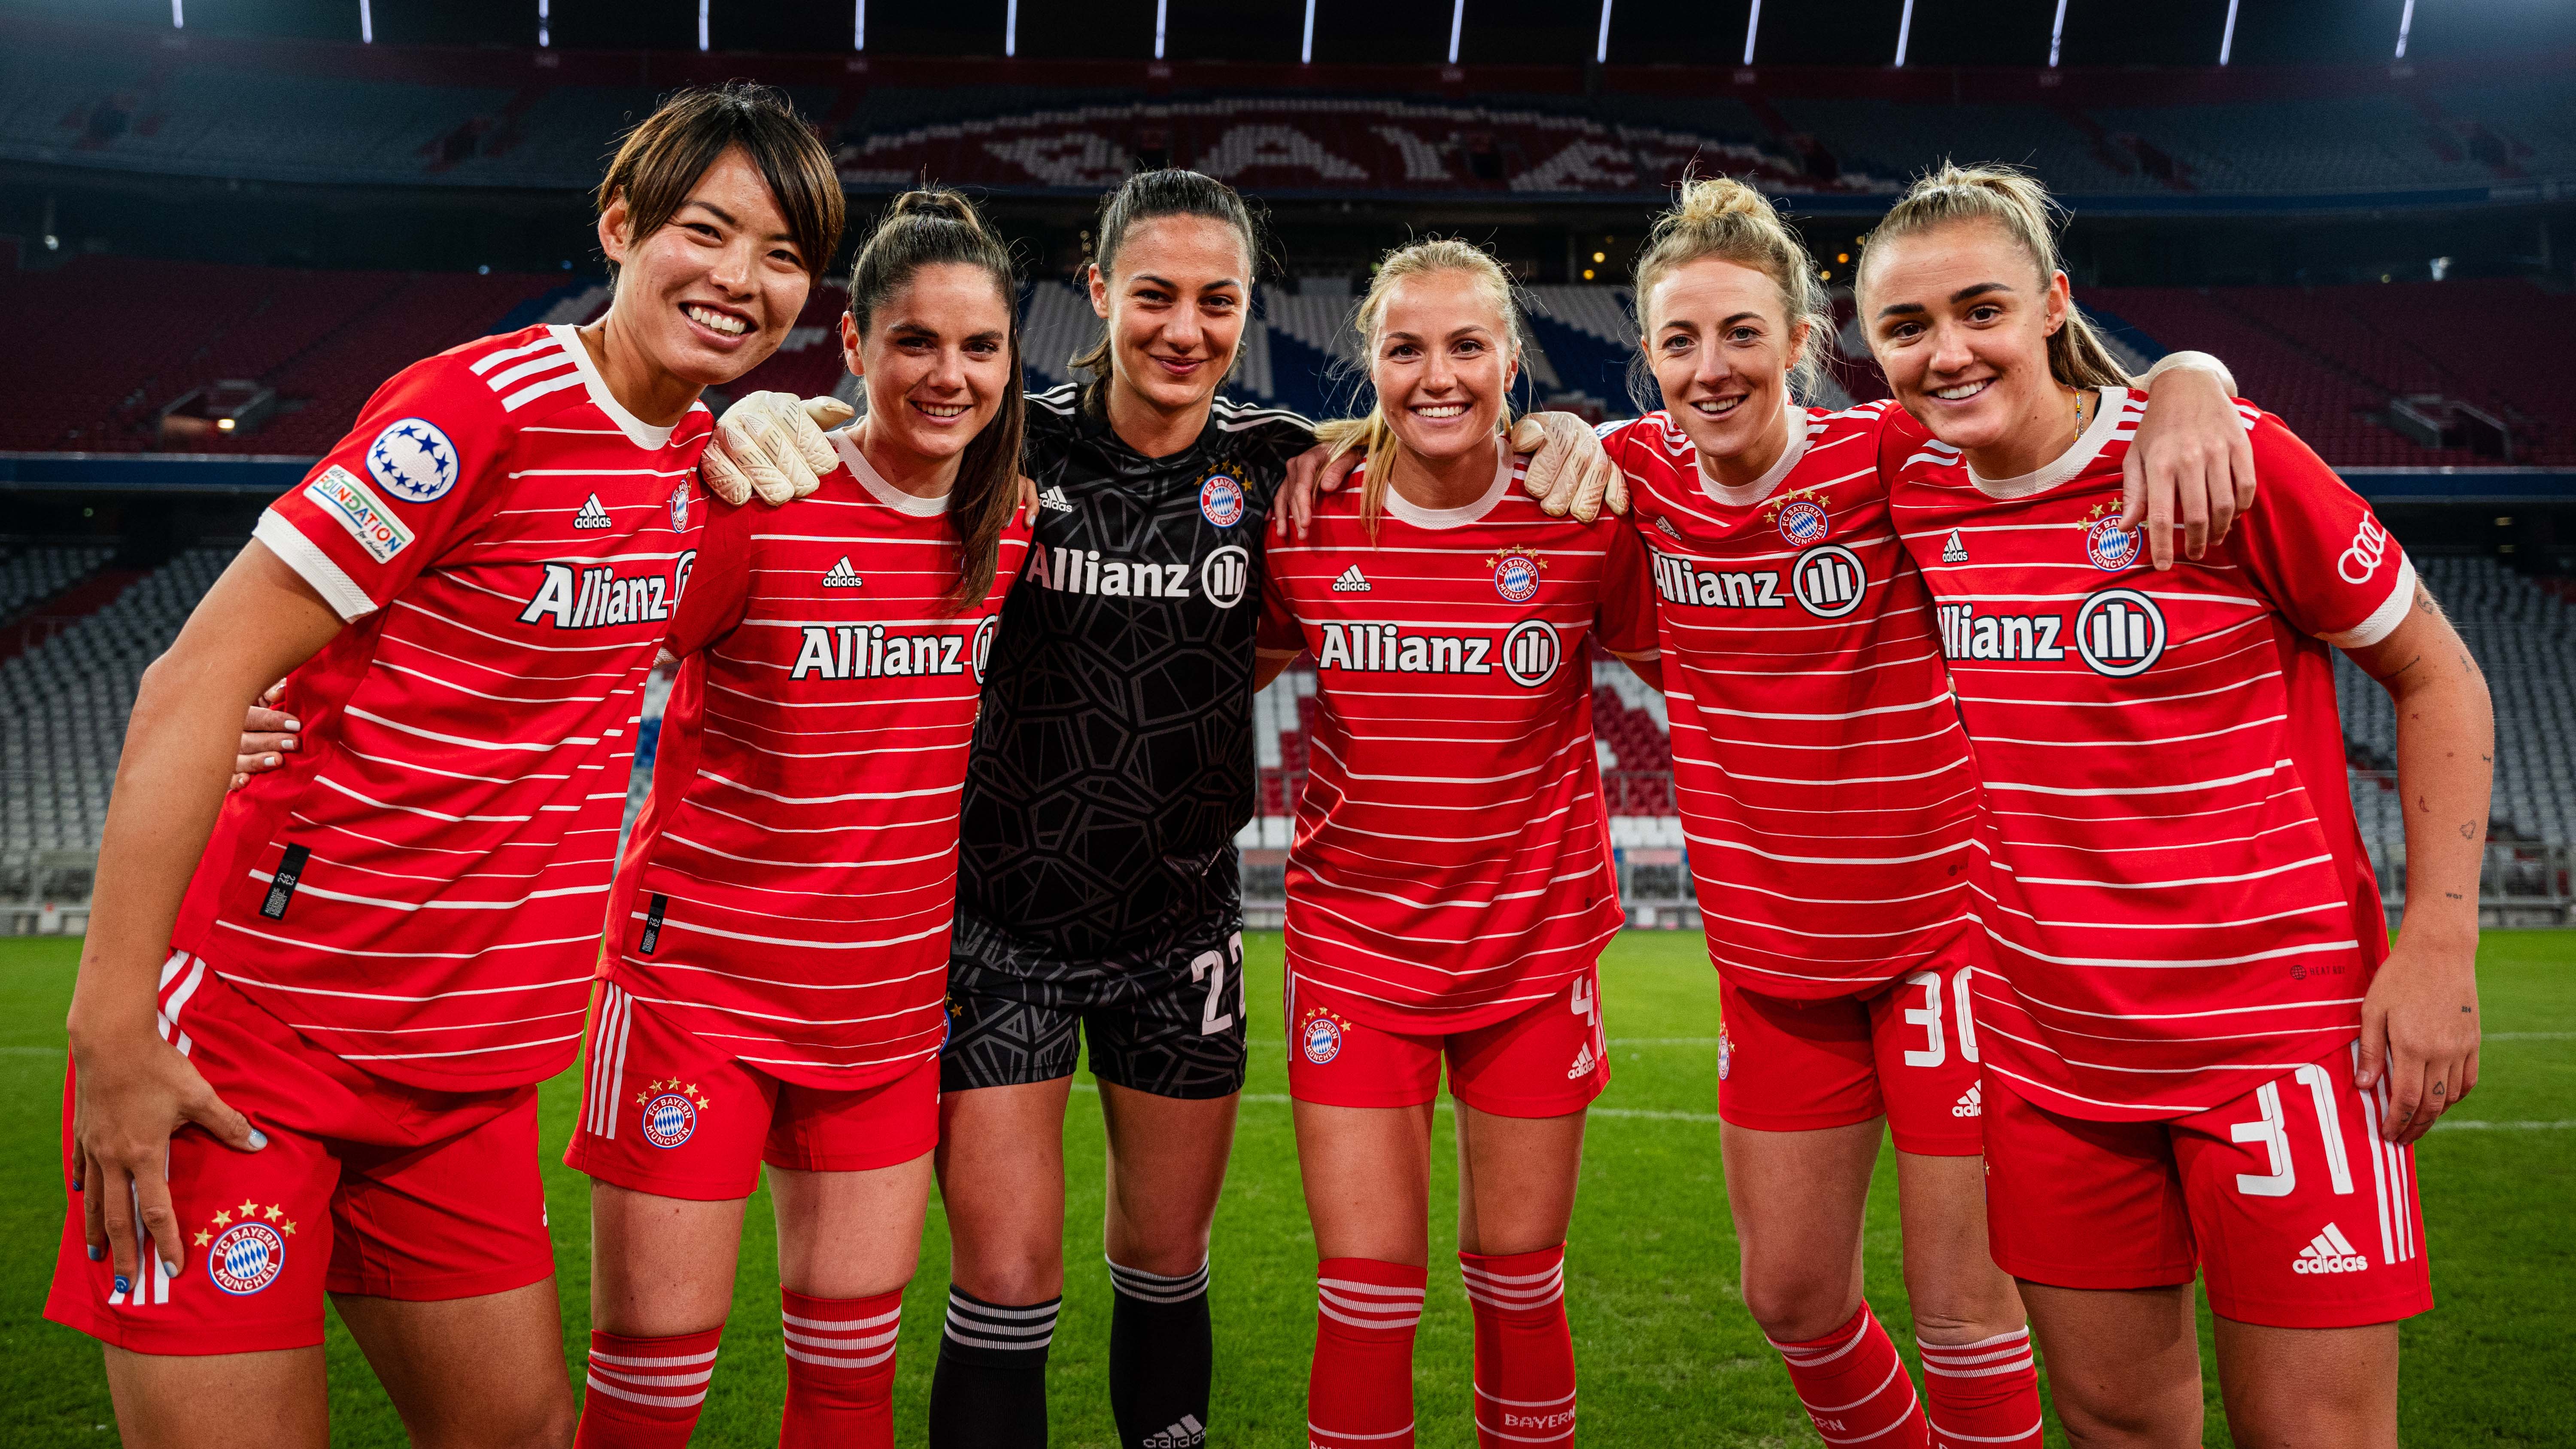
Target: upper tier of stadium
[2112, 141]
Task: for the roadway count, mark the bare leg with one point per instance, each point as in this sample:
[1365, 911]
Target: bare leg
[1167, 1162]
[2123, 1364]
[1516, 1178]
[1001, 1176]
[517, 1397]
[1798, 1199]
[1367, 1172]
[850, 1234]
[661, 1266]
[2309, 1388]
[1959, 1295]
[221, 1401]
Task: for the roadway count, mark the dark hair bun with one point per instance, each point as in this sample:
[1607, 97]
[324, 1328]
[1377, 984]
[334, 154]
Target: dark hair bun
[937, 202]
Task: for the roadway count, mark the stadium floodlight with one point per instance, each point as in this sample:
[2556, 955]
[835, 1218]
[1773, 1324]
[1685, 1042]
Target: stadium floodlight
[366, 23]
[1752, 24]
[2056, 34]
[1306, 47]
[2405, 23]
[2227, 37]
[1160, 9]
[1600, 52]
[859, 27]
[544, 38]
[702, 24]
[1011, 29]
[1904, 32]
[178, 14]
[1457, 22]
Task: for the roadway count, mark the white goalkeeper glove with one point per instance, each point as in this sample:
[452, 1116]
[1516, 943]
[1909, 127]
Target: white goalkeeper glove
[1568, 471]
[772, 444]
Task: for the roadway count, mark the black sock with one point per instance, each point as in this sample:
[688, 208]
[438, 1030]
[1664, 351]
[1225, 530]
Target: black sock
[989, 1391]
[1161, 1351]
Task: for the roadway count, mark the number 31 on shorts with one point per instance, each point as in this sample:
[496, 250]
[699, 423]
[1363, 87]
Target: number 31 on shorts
[1209, 966]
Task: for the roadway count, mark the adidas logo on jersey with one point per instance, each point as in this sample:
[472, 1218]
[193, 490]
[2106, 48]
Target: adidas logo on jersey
[2329, 1252]
[840, 575]
[591, 514]
[1956, 550]
[1054, 501]
[1584, 1062]
[1351, 582]
[1971, 1102]
[1666, 524]
[1189, 1433]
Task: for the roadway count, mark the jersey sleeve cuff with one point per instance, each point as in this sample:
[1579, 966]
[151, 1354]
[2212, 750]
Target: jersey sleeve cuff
[2383, 621]
[315, 567]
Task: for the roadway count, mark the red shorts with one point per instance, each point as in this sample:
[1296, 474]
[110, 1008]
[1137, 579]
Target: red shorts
[2297, 1214]
[1908, 1052]
[366, 1186]
[667, 1112]
[1545, 1062]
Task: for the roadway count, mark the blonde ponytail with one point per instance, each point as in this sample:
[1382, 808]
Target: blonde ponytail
[1718, 216]
[1371, 437]
[2014, 200]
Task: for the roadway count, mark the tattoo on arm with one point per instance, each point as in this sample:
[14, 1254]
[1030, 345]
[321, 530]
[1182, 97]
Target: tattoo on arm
[2468, 830]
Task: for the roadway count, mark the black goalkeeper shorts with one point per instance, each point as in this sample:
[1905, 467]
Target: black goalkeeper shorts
[1174, 1028]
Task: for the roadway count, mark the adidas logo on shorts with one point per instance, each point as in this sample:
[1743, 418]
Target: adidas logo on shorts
[591, 514]
[1351, 582]
[1054, 501]
[2329, 1252]
[1189, 1433]
[1956, 550]
[840, 575]
[1584, 1062]
[1971, 1103]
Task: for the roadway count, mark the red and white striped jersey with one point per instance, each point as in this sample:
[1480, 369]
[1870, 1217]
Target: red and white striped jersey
[1824, 784]
[2169, 871]
[420, 890]
[1451, 865]
[788, 889]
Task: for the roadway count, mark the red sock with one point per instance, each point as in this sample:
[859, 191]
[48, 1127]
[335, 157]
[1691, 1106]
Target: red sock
[1524, 1353]
[1361, 1393]
[1983, 1393]
[840, 1370]
[1855, 1388]
[645, 1392]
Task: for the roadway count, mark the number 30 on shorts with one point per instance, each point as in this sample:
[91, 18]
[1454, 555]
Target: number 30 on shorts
[1209, 966]
[1935, 1049]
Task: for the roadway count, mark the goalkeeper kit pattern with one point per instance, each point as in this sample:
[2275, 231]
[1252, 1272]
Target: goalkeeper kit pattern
[1113, 762]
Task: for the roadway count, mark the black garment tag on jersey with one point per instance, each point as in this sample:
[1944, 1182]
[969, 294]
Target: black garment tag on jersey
[281, 887]
[653, 926]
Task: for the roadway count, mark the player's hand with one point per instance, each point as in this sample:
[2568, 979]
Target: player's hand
[2419, 1029]
[1568, 470]
[772, 444]
[2192, 462]
[1029, 499]
[267, 733]
[132, 1092]
[1311, 474]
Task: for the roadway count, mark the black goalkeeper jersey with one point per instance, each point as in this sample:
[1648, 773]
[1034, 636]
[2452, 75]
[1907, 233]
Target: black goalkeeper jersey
[1113, 759]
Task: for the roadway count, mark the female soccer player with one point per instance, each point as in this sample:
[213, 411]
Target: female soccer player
[2197, 1043]
[1451, 882]
[816, 747]
[310, 1023]
[1827, 795]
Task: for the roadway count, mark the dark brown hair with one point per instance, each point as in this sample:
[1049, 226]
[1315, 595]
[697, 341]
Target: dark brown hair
[660, 160]
[936, 227]
[1150, 194]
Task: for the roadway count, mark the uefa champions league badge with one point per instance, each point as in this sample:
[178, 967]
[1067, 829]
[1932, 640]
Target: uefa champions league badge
[1320, 1036]
[680, 508]
[2110, 547]
[1221, 500]
[414, 460]
[1802, 522]
[246, 1246]
[1725, 1054]
[1516, 575]
[670, 1112]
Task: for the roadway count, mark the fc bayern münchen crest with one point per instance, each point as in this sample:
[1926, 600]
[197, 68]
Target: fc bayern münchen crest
[414, 460]
[1725, 1054]
[245, 1257]
[1802, 522]
[670, 1112]
[2110, 546]
[1221, 500]
[1320, 1038]
[680, 508]
[1516, 577]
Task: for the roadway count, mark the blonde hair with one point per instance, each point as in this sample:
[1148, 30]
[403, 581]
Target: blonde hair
[1720, 217]
[2015, 201]
[1371, 436]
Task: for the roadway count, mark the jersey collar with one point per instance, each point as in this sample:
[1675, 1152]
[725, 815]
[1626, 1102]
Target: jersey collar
[1465, 513]
[2088, 446]
[846, 443]
[641, 433]
[1762, 487]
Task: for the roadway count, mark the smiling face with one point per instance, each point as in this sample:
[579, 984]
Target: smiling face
[1443, 362]
[1960, 323]
[710, 295]
[937, 360]
[1721, 346]
[1175, 308]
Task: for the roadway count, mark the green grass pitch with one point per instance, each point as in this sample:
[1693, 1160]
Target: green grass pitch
[1667, 1354]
